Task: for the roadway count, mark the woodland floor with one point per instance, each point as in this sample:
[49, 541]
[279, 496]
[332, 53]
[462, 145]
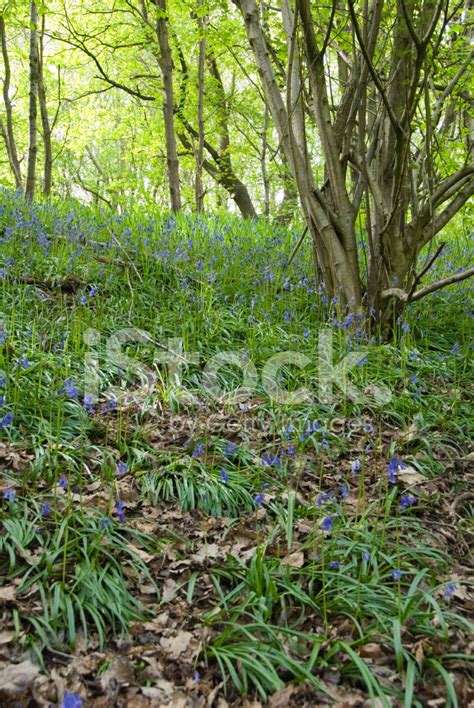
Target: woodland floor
[216, 554]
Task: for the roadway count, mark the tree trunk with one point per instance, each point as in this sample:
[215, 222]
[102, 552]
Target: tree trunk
[166, 65]
[198, 186]
[47, 131]
[8, 133]
[32, 105]
[220, 168]
[381, 171]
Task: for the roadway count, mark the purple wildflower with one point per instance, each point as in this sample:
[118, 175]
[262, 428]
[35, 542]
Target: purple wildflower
[356, 466]
[230, 449]
[121, 468]
[71, 700]
[328, 522]
[198, 450]
[120, 511]
[394, 465]
[449, 590]
[224, 476]
[322, 498]
[9, 494]
[6, 420]
[396, 575]
[406, 501]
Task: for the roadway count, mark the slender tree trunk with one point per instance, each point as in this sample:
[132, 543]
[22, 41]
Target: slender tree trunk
[47, 131]
[166, 65]
[219, 166]
[198, 187]
[32, 105]
[265, 177]
[8, 133]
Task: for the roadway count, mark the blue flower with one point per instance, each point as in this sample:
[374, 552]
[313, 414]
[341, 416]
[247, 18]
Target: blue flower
[366, 556]
[71, 700]
[394, 465]
[356, 466]
[45, 509]
[6, 420]
[105, 523]
[224, 476]
[88, 402]
[397, 574]
[406, 501]
[9, 494]
[121, 468]
[198, 450]
[449, 591]
[344, 489]
[334, 565]
[63, 483]
[70, 389]
[120, 511]
[269, 459]
[328, 522]
[196, 676]
[322, 498]
[230, 449]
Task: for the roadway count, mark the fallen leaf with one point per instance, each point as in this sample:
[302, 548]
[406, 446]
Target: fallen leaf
[119, 673]
[371, 650]
[17, 678]
[176, 645]
[7, 636]
[294, 560]
[7, 593]
[411, 476]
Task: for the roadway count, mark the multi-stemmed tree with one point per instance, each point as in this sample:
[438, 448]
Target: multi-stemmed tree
[383, 84]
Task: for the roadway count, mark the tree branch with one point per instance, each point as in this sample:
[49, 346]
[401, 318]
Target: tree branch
[405, 297]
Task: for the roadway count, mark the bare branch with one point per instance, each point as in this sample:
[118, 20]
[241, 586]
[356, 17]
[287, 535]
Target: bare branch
[405, 297]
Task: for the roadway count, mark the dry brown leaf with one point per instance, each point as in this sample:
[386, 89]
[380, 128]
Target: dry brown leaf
[143, 555]
[178, 644]
[17, 678]
[294, 560]
[409, 475]
[119, 673]
[7, 593]
[7, 636]
[209, 551]
[371, 650]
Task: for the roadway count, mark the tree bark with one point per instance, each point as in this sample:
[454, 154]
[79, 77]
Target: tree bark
[8, 132]
[166, 65]
[198, 186]
[32, 105]
[46, 125]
